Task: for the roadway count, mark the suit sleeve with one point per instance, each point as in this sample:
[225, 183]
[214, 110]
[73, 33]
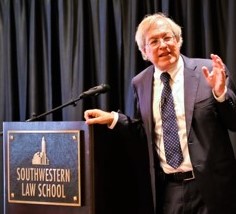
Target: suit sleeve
[227, 109]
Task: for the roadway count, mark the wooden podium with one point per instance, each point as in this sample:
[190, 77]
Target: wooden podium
[71, 168]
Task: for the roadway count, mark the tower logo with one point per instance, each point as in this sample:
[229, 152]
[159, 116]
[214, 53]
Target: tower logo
[40, 158]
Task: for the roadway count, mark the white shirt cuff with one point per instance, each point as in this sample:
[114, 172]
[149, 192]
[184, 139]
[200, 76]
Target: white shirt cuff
[221, 98]
[116, 116]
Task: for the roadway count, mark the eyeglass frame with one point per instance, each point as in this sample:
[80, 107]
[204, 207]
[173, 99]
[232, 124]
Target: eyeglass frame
[155, 43]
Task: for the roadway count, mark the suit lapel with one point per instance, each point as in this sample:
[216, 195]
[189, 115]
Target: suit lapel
[191, 82]
[147, 101]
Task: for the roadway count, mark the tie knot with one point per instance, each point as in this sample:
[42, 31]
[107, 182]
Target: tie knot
[165, 77]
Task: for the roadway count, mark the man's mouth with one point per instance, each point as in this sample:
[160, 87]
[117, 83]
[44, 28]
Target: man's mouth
[164, 54]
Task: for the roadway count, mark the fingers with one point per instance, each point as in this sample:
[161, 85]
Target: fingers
[93, 121]
[97, 116]
[205, 71]
[217, 62]
[218, 66]
[91, 116]
[88, 114]
[216, 78]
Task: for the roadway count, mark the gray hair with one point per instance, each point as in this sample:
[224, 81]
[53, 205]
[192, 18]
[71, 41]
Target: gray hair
[148, 22]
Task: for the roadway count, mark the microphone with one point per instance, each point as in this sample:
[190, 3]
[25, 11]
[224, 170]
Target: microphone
[103, 88]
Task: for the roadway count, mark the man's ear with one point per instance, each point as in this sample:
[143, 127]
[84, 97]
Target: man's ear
[144, 54]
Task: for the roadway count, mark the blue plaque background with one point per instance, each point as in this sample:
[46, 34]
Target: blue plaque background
[63, 152]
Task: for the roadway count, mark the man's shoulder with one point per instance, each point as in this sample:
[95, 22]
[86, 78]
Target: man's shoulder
[146, 73]
[194, 61]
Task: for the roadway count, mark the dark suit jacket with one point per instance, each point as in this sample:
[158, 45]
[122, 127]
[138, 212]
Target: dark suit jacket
[208, 122]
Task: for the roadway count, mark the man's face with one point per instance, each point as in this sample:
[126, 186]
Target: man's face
[162, 47]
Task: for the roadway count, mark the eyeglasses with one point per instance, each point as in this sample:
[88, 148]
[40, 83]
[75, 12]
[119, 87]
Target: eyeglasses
[155, 43]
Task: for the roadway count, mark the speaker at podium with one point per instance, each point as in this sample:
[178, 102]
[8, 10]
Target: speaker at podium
[72, 168]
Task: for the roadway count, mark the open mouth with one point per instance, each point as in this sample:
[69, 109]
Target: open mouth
[164, 54]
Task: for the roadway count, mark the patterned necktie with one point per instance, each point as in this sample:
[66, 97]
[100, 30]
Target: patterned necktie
[173, 152]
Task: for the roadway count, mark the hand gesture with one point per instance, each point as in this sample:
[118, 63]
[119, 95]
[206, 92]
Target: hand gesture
[217, 77]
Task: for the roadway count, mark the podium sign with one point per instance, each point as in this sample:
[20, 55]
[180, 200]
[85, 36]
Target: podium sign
[44, 167]
[48, 163]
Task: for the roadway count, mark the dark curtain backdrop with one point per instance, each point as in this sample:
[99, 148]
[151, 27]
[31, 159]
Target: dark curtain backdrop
[52, 50]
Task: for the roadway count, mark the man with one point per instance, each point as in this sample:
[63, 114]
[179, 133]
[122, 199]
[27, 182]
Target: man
[204, 179]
